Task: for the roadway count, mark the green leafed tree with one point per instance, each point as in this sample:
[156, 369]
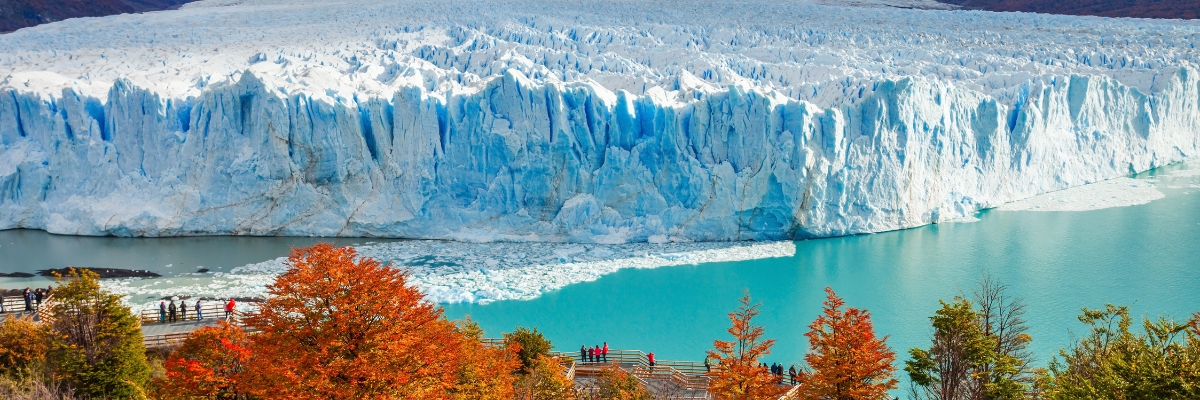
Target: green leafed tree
[962, 362]
[1114, 362]
[616, 384]
[1009, 373]
[532, 344]
[97, 346]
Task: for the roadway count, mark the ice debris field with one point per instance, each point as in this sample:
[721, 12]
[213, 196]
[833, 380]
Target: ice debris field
[455, 272]
[576, 121]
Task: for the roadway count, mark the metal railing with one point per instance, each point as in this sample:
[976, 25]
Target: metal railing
[165, 340]
[15, 306]
[214, 309]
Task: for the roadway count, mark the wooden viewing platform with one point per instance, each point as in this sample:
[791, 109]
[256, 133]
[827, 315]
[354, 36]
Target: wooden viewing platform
[674, 379]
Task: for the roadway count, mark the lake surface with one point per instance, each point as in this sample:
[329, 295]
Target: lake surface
[1146, 255]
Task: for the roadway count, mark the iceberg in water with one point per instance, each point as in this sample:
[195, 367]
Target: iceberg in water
[609, 123]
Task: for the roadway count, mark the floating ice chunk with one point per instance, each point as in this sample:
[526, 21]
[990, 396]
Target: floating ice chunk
[1119, 192]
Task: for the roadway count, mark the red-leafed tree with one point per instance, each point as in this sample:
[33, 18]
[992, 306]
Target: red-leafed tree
[845, 359]
[207, 365]
[337, 325]
[738, 375]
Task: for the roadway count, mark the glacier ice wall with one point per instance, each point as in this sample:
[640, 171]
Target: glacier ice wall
[557, 120]
[526, 160]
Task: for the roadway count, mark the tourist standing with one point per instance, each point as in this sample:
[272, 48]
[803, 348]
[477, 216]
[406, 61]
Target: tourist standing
[171, 311]
[37, 298]
[792, 374]
[583, 353]
[2, 302]
[162, 312]
[604, 352]
[199, 312]
[183, 310]
[28, 300]
[591, 354]
[650, 358]
[229, 307]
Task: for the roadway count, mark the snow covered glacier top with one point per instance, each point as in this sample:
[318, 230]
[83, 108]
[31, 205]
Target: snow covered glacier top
[576, 121]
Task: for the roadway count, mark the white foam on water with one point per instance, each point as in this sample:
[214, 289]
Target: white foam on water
[1119, 192]
[457, 272]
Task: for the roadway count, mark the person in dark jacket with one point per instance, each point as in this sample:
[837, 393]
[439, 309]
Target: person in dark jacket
[792, 374]
[199, 313]
[183, 310]
[28, 300]
[583, 353]
[171, 311]
[37, 298]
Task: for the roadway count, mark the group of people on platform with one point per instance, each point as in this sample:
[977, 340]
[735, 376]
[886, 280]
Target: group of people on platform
[600, 354]
[33, 300]
[593, 354]
[777, 370]
[172, 313]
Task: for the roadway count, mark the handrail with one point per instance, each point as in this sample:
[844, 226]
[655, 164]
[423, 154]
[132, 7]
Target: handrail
[639, 358]
[212, 309]
[45, 311]
[165, 340]
[17, 304]
[792, 394]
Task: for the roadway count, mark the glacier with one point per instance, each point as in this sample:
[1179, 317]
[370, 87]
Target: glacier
[614, 122]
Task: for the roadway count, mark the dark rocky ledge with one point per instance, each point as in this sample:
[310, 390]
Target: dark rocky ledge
[104, 272]
[16, 275]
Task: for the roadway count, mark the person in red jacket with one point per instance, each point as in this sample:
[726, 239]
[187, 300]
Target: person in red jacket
[604, 352]
[229, 307]
[650, 358]
[591, 354]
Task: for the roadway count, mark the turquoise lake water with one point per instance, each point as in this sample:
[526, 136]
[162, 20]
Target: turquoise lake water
[1146, 255]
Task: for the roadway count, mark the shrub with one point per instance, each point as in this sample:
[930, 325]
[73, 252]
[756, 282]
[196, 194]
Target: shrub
[97, 348]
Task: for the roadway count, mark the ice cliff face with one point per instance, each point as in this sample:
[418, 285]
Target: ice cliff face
[568, 124]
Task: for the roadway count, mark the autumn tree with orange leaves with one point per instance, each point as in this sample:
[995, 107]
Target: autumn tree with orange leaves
[208, 365]
[738, 374]
[845, 359]
[337, 325]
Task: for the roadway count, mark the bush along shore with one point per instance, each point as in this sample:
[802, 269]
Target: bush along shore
[339, 325]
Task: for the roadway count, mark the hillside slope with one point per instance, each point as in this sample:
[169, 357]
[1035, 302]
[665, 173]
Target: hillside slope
[1175, 9]
[17, 14]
